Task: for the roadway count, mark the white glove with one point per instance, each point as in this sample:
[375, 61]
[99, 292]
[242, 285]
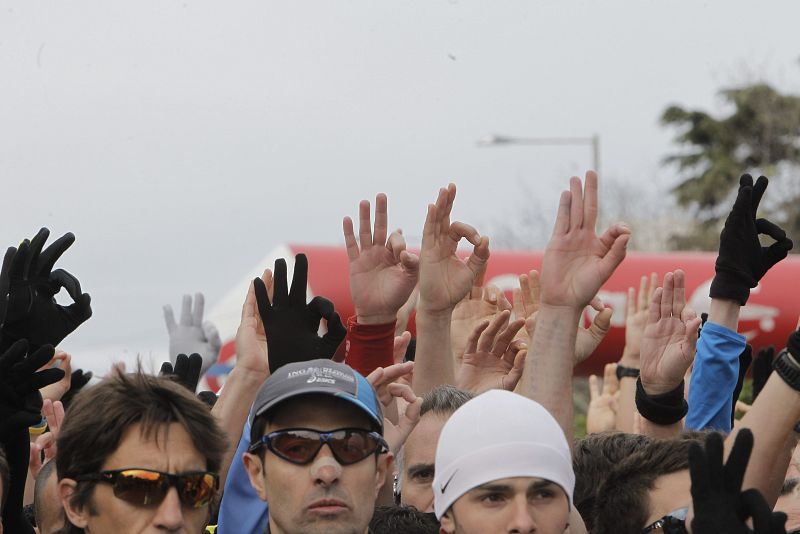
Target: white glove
[192, 335]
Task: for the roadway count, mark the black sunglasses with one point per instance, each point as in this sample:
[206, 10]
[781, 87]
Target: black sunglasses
[301, 445]
[672, 523]
[146, 487]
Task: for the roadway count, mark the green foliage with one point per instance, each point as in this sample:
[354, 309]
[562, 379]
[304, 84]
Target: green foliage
[761, 132]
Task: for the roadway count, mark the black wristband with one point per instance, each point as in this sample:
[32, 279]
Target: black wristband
[788, 369]
[623, 371]
[665, 409]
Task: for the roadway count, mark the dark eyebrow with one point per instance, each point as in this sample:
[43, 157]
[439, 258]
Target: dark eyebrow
[418, 468]
[540, 485]
[497, 488]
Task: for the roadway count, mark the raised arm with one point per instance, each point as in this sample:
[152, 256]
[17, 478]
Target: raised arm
[383, 275]
[741, 263]
[445, 279]
[576, 264]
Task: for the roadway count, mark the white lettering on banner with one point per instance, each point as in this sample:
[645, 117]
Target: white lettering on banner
[700, 302]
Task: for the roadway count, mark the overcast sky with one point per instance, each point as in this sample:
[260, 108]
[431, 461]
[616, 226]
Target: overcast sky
[181, 141]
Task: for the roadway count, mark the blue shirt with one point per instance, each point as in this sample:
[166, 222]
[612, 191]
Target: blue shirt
[241, 511]
[714, 377]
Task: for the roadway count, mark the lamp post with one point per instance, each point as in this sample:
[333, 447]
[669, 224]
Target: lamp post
[593, 141]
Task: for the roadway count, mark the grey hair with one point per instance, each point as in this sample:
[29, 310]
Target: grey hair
[442, 400]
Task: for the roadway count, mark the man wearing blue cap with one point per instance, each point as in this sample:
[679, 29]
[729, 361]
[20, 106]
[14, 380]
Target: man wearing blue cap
[317, 452]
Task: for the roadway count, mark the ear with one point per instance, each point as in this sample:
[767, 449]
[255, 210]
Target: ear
[76, 516]
[255, 472]
[447, 523]
[384, 469]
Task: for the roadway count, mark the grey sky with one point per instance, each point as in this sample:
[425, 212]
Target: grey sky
[181, 141]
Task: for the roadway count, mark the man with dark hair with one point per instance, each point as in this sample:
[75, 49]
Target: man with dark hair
[415, 463]
[317, 453]
[593, 458]
[47, 509]
[137, 452]
[402, 520]
[648, 486]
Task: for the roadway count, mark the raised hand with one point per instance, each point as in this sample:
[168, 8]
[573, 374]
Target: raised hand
[5, 281]
[57, 390]
[636, 310]
[445, 279]
[492, 360]
[390, 391]
[577, 262]
[251, 338]
[525, 299]
[480, 304]
[192, 335]
[290, 324]
[742, 261]
[186, 371]
[54, 414]
[383, 273]
[32, 312]
[670, 337]
[602, 413]
[718, 502]
[20, 381]
[77, 382]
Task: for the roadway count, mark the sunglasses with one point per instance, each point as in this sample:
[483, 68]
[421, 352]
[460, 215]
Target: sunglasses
[301, 445]
[672, 523]
[146, 487]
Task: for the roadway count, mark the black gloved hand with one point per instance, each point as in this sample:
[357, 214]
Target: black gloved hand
[186, 371]
[719, 504]
[291, 325]
[77, 382]
[33, 312]
[745, 359]
[742, 261]
[762, 368]
[20, 400]
[21, 407]
[5, 282]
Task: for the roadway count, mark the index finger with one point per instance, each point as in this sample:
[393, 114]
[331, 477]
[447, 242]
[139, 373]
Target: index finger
[590, 200]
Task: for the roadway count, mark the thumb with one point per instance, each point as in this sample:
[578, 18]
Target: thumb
[212, 335]
[601, 324]
[410, 263]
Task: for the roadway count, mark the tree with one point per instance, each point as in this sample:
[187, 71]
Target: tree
[760, 136]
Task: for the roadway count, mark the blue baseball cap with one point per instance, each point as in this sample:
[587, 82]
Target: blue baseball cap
[318, 377]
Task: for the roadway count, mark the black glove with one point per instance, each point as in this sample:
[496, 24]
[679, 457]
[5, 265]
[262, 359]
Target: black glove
[742, 261]
[762, 368]
[33, 312]
[208, 397]
[77, 382]
[720, 506]
[745, 359]
[21, 407]
[186, 371]
[291, 325]
[5, 282]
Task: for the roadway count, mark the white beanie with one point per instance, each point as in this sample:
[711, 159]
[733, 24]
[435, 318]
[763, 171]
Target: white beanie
[497, 435]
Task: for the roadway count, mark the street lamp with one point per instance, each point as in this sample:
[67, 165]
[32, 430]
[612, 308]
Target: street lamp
[593, 141]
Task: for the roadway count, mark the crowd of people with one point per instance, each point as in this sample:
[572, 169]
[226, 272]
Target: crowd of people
[466, 428]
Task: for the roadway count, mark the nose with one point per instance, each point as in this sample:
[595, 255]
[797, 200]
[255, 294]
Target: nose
[325, 470]
[521, 519]
[169, 514]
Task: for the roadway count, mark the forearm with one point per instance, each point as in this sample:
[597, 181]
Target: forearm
[771, 419]
[653, 430]
[725, 313]
[233, 407]
[433, 364]
[547, 378]
[714, 377]
[626, 404]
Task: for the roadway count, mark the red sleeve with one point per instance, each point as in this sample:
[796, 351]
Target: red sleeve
[369, 346]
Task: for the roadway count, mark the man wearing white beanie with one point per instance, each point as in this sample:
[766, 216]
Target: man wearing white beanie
[503, 465]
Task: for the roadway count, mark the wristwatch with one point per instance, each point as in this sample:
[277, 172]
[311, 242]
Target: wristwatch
[788, 369]
[623, 371]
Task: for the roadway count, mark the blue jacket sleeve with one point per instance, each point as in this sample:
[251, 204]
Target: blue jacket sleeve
[241, 510]
[714, 377]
